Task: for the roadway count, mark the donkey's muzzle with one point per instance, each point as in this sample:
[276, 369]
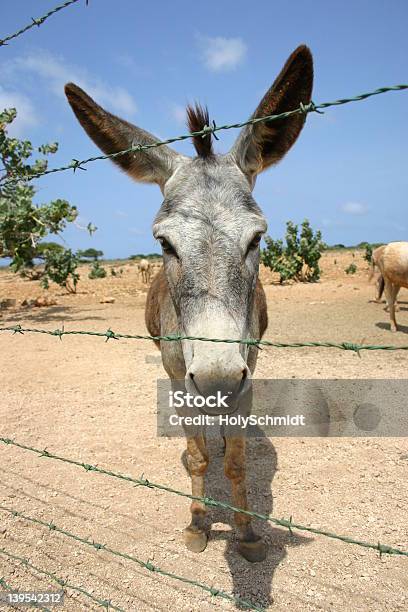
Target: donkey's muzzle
[222, 387]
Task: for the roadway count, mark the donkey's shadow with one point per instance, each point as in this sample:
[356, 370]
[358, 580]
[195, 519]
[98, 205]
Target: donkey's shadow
[252, 581]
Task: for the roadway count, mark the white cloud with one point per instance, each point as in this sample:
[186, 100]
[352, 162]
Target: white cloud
[56, 72]
[26, 115]
[354, 208]
[220, 53]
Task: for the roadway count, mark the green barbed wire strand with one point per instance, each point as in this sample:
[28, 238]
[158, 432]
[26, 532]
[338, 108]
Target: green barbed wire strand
[145, 564]
[76, 164]
[7, 587]
[208, 501]
[111, 335]
[103, 603]
[37, 21]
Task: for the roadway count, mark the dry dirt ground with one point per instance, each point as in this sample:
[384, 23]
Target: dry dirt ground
[94, 401]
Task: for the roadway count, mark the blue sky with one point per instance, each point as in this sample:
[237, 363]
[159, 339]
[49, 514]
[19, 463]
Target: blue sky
[144, 61]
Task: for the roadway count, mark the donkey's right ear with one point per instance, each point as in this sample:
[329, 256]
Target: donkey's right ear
[113, 134]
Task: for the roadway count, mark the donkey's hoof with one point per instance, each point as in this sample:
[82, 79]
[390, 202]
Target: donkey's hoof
[253, 551]
[196, 541]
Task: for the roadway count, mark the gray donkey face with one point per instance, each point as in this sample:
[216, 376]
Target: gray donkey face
[210, 228]
[209, 225]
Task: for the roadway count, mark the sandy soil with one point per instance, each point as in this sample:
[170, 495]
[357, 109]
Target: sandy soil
[95, 402]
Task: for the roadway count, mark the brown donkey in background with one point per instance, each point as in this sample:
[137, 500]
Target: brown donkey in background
[209, 227]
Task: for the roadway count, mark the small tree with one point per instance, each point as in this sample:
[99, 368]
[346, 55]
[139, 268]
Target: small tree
[24, 224]
[61, 268]
[43, 248]
[299, 259]
[97, 271]
[90, 254]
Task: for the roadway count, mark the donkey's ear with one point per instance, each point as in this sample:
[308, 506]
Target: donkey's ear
[113, 134]
[262, 144]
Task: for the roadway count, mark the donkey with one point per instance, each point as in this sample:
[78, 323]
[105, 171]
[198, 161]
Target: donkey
[209, 227]
[393, 264]
[145, 270]
[377, 262]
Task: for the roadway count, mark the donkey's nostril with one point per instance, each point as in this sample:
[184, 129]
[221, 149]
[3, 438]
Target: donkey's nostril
[191, 376]
[244, 373]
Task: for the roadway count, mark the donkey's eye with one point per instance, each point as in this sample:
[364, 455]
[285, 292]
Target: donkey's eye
[167, 247]
[254, 243]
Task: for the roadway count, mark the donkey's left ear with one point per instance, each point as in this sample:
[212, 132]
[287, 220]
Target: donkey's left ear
[262, 144]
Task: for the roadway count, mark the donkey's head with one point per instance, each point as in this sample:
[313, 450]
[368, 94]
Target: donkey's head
[209, 225]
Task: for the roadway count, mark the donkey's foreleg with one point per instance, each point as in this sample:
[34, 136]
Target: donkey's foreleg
[195, 536]
[251, 546]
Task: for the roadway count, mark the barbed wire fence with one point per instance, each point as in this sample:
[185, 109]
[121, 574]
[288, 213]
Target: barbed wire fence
[215, 592]
[208, 501]
[111, 335]
[37, 21]
[64, 584]
[289, 524]
[304, 109]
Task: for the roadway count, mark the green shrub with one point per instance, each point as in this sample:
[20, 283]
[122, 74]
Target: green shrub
[25, 224]
[97, 271]
[299, 258]
[351, 269]
[60, 267]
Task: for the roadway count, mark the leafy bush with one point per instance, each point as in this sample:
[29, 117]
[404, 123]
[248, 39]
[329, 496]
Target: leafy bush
[299, 258]
[351, 269]
[97, 271]
[60, 267]
[24, 224]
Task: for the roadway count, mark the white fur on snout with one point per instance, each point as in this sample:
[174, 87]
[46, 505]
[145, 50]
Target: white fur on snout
[212, 365]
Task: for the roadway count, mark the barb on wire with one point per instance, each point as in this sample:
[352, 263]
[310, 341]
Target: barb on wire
[64, 584]
[109, 334]
[145, 564]
[304, 109]
[37, 21]
[208, 501]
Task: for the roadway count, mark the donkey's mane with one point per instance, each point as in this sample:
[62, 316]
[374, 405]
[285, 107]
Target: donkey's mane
[197, 119]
